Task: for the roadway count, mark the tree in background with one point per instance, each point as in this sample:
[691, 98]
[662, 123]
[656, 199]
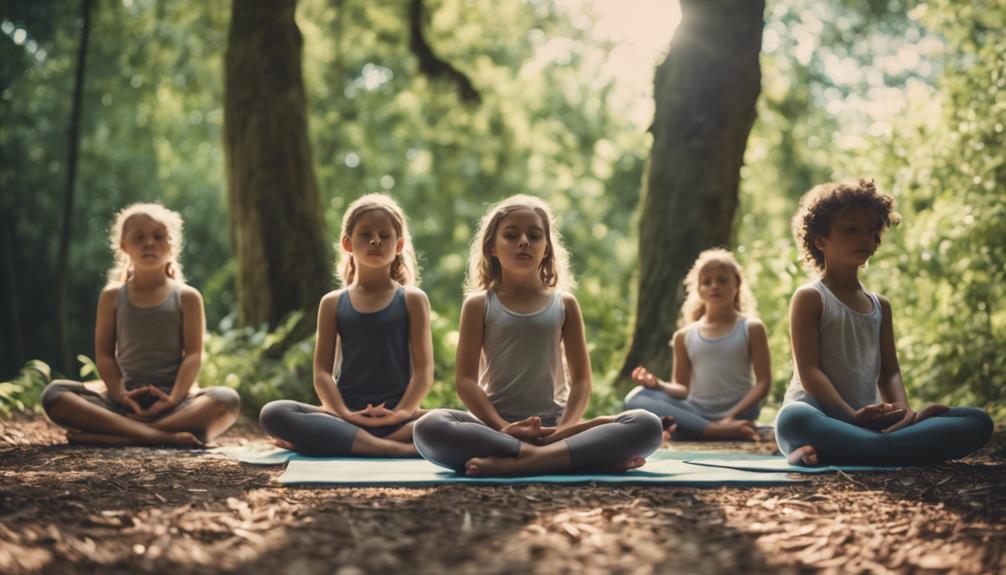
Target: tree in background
[705, 93]
[279, 240]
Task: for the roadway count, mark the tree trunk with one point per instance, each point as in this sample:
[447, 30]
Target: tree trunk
[73, 144]
[283, 257]
[705, 93]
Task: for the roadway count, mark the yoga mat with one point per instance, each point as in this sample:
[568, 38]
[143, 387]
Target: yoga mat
[779, 465]
[362, 472]
[256, 453]
[269, 454]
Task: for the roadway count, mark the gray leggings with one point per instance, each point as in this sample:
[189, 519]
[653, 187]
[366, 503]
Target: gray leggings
[312, 430]
[953, 434]
[691, 425]
[450, 438]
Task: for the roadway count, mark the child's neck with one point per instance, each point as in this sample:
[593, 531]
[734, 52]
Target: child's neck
[521, 283]
[841, 278]
[148, 279]
[374, 279]
[721, 314]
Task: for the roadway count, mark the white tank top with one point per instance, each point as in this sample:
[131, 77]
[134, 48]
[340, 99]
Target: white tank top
[521, 369]
[721, 372]
[850, 350]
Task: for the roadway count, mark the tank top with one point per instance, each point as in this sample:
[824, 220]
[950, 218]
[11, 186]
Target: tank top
[148, 340]
[376, 360]
[850, 350]
[521, 367]
[721, 369]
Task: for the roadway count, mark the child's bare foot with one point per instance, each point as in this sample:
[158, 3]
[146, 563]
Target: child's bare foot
[633, 462]
[930, 411]
[100, 439]
[179, 439]
[738, 429]
[805, 455]
[670, 426]
[283, 444]
[493, 466]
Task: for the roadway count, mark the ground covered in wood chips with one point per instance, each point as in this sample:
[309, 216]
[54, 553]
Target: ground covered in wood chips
[81, 510]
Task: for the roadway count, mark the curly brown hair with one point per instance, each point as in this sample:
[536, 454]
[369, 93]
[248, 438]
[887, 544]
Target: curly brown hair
[819, 206]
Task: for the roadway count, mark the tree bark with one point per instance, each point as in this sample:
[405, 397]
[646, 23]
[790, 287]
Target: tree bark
[283, 257]
[705, 93]
[73, 145]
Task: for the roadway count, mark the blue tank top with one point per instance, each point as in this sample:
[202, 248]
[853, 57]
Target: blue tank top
[376, 362]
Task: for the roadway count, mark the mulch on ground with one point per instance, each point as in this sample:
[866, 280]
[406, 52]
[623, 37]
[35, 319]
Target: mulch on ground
[80, 510]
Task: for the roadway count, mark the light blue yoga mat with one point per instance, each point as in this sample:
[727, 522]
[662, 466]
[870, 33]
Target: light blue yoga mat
[421, 473]
[778, 465]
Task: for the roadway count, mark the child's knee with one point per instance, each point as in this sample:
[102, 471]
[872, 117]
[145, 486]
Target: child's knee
[793, 424]
[636, 398]
[52, 393]
[227, 398]
[647, 429]
[431, 426]
[272, 415]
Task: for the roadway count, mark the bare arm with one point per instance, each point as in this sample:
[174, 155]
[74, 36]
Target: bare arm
[193, 327]
[681, 375]
[104, 345]
[324, 357]
[421, 344]
[761, 364]
[470, 337]
[804, 317]
[578, 361]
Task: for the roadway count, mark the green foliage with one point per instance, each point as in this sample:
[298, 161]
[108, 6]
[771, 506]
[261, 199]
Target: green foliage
[22, 393]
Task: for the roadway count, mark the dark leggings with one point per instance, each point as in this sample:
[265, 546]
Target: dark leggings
[312, 430]
[450, 438]
[691, 425]
[954, 434]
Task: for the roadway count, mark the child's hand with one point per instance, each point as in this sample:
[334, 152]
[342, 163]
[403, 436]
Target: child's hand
[162, 403]
[131, 400]
[877, 416]
[643, 377]
[529, 430]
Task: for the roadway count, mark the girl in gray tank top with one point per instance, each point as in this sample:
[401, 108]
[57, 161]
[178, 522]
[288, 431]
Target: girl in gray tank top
[373, 359]
[516, 325]
[721, 358]
[148, 349]
[847, 403]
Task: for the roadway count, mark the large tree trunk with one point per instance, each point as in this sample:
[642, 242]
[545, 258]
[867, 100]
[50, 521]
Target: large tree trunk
[705, 93]
[283, 257]
[73, 144]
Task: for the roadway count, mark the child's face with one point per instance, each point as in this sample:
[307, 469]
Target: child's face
[374, 241]
[520, 242]
[852, 238]
[717, 284]
[146, 242]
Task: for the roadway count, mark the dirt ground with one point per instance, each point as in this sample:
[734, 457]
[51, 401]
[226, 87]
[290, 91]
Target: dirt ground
[82, 510]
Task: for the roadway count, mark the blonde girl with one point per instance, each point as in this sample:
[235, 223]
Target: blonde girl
[378, 326]
[516, 321]
[722, 369]
[148, 348]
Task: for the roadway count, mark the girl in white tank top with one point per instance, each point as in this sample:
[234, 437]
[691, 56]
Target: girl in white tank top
[721, 359]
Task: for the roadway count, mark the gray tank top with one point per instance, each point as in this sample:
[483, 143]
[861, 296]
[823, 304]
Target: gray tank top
[721, 369]
[850, 350]
[521, 368]
[376, 361]
[148, 340]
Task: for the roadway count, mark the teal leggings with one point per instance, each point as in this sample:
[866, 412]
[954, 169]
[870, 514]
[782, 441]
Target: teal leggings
[954, 434]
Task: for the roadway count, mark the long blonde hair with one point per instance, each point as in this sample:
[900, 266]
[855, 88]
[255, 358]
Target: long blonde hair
[693, 309]
[484, 270]
[405, 268]
[171, 220]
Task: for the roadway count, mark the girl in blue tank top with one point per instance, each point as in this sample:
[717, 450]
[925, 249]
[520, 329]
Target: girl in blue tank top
[722, 369]
[148, 348]
[373, 357]
[847, 403]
